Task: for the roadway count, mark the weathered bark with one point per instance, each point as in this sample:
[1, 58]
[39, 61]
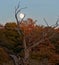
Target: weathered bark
[15, 59]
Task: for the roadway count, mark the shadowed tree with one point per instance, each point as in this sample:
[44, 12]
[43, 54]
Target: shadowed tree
[16, 44]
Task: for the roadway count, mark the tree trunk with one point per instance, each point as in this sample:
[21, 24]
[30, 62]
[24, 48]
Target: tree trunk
[26, 57]
[26, 53]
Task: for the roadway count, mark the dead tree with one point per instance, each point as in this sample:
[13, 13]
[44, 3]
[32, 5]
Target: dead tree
[25, 58]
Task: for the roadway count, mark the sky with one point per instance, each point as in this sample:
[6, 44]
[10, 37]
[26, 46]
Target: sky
[36, 9]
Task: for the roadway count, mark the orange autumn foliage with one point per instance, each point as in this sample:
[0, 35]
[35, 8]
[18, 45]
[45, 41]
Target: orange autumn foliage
[27, 26]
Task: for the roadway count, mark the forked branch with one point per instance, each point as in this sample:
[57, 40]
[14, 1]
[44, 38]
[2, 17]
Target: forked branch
[17, 10]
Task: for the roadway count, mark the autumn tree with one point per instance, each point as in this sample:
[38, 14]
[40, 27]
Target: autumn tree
[10, 40]
[21, 38]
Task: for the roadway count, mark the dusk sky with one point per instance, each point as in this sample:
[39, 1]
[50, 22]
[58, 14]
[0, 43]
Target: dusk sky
[37, 10]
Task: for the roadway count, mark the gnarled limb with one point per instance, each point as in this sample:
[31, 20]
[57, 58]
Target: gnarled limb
[17, 10]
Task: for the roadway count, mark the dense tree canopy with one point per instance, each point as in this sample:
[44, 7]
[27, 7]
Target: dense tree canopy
[10, 38]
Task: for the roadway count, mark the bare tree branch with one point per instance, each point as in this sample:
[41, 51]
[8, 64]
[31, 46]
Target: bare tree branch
[15, 58]
[35, 44]
[46, 22]
[56, 24]
[17, 10]
[38, 41]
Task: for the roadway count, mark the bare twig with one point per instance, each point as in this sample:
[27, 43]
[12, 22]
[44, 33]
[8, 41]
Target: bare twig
[56, 24]
[17, 10]
[46, 22]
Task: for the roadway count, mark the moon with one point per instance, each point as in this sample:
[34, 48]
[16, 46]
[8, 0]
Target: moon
[21, 15]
